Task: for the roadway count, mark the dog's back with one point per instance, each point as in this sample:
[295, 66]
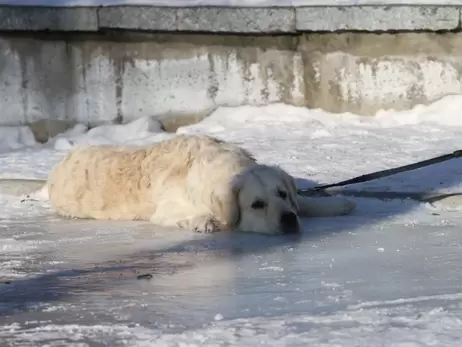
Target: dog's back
[100, 182]
[112, 182]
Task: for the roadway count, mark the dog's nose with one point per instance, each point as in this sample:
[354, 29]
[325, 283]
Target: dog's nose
[289, 222]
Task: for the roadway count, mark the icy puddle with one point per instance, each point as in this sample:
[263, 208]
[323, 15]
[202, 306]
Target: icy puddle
[388, 275]
[373, 276]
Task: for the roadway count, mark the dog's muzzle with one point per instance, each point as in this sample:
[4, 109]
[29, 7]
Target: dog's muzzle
[289, 223]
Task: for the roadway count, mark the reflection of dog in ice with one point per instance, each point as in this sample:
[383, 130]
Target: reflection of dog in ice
[194, 182]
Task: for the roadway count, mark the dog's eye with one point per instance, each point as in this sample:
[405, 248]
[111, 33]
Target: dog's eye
[258, 204]
[282, 194]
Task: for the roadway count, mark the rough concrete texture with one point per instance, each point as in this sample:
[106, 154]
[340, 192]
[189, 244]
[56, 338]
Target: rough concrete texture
[378, 18]
[181, 78]
[249, 20]
[282, 19]
[95, 80]
[236, 19]
[54, 79]
[138, 18]
[363, 73]
[46, 18]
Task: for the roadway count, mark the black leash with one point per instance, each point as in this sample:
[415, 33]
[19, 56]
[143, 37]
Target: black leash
[385, 173]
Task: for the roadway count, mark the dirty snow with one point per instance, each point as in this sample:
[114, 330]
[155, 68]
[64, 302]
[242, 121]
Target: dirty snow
[388, 275]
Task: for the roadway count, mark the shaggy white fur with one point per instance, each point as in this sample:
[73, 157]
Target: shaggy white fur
[194, 182]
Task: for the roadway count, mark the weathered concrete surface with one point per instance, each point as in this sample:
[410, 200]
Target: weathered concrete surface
[48, 18]
[248, 20]
[287, 18]
[378, 18]
[54, 79]
[201, 19]
[363, 73]
[95, 79]
[108, 75]
[138, 17]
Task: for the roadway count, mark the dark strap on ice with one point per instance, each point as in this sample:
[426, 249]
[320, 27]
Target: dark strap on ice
[386, 173]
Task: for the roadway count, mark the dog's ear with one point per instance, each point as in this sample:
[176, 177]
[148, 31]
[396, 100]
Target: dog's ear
[227, 203]
[289, 183]
[234, 210]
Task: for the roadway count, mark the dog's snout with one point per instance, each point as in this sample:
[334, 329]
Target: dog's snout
[288, 218]
[289, 222]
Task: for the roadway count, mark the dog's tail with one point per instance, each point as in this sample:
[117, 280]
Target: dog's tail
[31, 188]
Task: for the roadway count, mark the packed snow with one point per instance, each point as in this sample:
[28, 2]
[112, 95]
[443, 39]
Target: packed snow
[387, 275]
[227, 3]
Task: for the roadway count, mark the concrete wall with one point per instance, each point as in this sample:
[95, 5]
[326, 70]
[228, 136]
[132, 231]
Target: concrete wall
[97, 64]
[363, 73]
[95, 78]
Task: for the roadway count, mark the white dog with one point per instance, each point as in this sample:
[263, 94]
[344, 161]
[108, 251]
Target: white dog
[194, 182]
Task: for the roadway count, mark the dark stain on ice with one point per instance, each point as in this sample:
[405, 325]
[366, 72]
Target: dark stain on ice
[144, 277]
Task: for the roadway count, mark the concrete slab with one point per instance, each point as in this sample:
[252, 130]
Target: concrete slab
[240, 20]
[46, 18]
[138, 18]
[282, 19]
[237, 19]
[202, 19]
[377, 18]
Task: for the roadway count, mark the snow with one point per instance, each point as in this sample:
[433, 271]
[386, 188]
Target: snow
[387, 275]
[139, 131]
[14, 137]
[228, 3]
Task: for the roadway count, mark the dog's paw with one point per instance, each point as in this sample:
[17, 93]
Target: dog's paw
[200, 224]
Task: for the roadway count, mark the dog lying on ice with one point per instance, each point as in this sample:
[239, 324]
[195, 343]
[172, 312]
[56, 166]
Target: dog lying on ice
[193, 182]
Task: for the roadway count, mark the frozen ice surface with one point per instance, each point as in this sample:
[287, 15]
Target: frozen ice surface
[388, 275]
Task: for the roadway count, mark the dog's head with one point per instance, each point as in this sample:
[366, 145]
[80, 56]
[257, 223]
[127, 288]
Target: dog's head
[266, 199]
